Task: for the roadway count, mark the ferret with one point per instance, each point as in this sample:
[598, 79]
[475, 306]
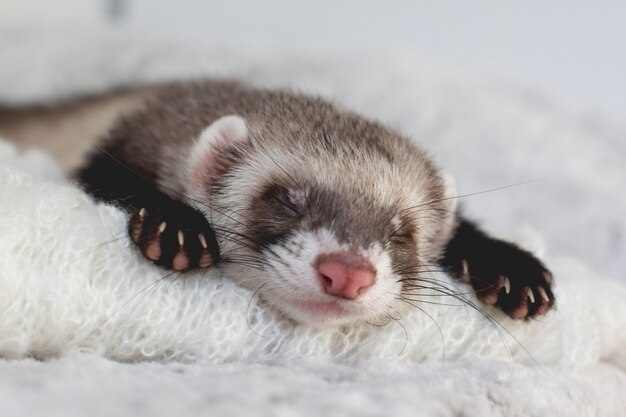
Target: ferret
[328, 216]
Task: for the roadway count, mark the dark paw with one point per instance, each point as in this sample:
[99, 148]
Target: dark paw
[509, 277]
[178, 238]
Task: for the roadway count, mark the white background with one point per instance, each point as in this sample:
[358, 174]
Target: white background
[573, 50]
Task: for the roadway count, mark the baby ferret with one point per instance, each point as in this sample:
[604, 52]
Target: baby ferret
[328, 216]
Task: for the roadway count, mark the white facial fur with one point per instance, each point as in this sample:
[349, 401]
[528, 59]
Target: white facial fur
[296, 290]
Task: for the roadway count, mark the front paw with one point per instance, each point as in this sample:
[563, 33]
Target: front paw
[509, 277]
[177, 237]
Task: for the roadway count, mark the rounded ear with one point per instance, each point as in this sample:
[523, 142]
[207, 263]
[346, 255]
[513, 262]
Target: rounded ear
[216, 150]
[450, 191]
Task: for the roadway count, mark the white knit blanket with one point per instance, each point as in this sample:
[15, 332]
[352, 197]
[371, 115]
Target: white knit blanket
[74, 293]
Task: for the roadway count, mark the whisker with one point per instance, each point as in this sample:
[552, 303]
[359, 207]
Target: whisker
[100, 245]
[443, 342]
[142, 291]
[248, 309]
[474, 193]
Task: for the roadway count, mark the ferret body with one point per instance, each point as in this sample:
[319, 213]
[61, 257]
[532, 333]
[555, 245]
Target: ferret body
[328, 216]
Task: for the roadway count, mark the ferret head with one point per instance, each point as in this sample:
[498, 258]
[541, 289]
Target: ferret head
[328, 217]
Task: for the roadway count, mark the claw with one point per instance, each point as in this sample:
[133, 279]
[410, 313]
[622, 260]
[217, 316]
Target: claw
[181, 238]
[506, 285]
[162, 227]
[548, 277]
[543, 294]
[465, 275]
[202, 240]
[142, 213]
[530, 295]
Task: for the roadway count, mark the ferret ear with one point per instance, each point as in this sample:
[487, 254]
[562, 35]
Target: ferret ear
[217, 149]
[450, 191]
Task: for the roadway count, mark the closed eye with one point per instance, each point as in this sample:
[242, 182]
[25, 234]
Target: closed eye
[401, 238]
[289, 207]
[402, 232]
[280, 199]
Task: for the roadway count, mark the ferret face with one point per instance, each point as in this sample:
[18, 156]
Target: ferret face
[333, 256]
[325, 229]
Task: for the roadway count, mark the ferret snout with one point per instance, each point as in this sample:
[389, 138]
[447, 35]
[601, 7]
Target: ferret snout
[345, 275]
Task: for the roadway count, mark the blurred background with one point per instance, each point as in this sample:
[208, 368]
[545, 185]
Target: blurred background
[574, 50]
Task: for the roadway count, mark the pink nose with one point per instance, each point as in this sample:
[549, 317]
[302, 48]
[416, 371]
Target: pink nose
[345, 275]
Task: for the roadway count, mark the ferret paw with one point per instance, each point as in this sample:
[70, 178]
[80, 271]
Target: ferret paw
[178, 238]
[510, 278]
